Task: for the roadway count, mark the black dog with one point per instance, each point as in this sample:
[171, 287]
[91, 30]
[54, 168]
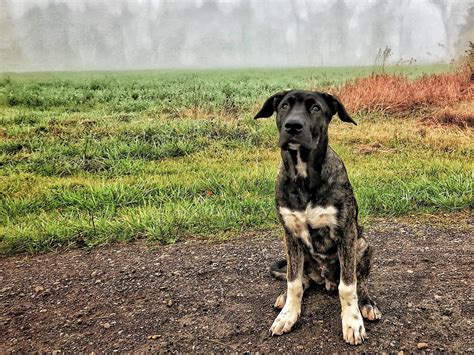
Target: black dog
[318, 210]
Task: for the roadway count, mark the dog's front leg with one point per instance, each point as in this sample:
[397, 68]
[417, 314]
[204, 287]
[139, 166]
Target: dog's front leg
[352, 324]
[292, 308]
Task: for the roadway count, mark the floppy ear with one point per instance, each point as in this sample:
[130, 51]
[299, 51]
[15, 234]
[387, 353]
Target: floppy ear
[336, 106]
[271, 104]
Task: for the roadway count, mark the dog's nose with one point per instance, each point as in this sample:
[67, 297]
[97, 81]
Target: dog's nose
[293, 127]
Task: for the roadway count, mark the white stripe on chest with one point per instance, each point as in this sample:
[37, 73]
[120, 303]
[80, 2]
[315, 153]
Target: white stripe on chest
[297, 222]
[301, 167]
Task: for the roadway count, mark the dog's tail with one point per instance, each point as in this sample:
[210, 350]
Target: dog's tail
[278, 269]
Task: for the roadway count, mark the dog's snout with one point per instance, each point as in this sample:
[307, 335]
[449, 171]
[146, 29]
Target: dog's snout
[293, 127]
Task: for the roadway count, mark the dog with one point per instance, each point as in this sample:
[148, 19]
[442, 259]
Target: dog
[318, 211]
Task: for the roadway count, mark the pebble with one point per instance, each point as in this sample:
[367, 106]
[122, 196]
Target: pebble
[39, 289]
[421, 346]
[447, 311]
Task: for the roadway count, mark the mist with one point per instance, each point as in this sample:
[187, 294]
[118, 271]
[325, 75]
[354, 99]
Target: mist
[121, 34]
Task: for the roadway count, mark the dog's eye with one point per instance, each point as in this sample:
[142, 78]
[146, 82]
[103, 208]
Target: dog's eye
[315, 108]
[285, 106]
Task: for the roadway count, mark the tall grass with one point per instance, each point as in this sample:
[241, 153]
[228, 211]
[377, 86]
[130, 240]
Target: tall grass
[397, 94]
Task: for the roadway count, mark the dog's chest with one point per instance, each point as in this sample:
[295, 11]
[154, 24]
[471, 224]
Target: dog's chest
[314, 226]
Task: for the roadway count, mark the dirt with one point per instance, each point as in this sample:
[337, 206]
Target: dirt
[200, 296]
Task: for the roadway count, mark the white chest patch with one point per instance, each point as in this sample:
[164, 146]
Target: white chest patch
[317, 217]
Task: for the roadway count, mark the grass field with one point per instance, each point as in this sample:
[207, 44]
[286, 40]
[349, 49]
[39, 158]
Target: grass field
[89, 158]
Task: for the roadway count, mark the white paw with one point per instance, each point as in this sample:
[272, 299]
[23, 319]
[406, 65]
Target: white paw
[285, 321]
[280, 301]
[371, 312]
[353, 329]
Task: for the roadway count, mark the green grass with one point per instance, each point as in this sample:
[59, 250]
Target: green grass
[91, 158]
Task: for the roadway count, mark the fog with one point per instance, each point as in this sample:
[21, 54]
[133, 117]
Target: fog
[146, 34]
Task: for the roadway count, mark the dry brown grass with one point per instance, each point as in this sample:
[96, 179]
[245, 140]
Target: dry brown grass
[461, 116]
[397, 95]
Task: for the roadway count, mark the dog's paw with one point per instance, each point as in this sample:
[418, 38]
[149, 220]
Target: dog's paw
[280, 301]
[353, 330]
[285, 321]
[370, 312]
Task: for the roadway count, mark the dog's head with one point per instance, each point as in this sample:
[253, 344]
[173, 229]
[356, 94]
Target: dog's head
[302, 117]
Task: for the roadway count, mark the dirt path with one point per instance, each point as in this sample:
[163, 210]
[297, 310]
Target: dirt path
[202, 297]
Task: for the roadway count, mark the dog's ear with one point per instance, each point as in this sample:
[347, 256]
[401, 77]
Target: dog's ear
[336, 106]
[271, 104]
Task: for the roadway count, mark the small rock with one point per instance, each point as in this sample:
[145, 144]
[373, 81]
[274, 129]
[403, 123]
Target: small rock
[447, 311]
[400, 352]
[97, 281]
[410, 305]
[410, 271]
[39, 289]
[170, 303]
[421, 346]
[154, 337]
[94, 273]
[106, 325]
[437, 297]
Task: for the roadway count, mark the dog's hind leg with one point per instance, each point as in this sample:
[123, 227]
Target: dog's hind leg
[278, 271]
[367, 305]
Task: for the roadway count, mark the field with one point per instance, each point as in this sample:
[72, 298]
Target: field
[98, 157]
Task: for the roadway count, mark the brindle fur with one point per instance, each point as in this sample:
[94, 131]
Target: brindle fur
[339, 253]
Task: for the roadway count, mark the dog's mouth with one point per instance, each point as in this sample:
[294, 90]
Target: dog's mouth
[298, 144]
[293, 146]
[290, 144]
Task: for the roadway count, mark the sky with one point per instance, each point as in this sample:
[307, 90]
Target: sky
[148, 34]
